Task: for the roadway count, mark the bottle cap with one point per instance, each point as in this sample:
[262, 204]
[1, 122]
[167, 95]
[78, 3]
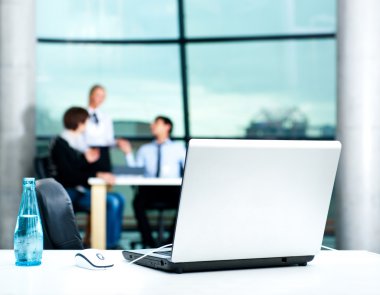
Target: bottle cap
[29, 181]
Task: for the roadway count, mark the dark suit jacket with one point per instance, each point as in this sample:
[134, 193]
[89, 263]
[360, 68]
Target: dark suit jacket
[70, 167]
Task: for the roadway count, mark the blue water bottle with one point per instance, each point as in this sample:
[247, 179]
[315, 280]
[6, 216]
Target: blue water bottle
[28, 236]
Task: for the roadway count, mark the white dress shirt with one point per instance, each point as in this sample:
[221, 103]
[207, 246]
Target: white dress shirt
[76, 141]
[172, 159]
[99, 133]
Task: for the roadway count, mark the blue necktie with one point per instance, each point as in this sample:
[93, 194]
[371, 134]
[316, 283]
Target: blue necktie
[158, 160]
[94, 118]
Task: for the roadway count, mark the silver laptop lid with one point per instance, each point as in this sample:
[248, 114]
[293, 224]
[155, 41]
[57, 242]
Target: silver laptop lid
[244, 199]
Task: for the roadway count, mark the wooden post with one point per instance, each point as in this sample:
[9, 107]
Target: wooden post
[98, 216]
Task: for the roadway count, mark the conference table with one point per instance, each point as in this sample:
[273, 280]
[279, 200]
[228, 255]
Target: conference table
[98, 201]
[331, 272]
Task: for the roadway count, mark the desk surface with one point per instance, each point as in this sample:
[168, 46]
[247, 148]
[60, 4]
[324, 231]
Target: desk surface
[331, 272]
[137, 180]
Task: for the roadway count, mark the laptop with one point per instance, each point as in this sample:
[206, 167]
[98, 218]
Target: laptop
[249, 203]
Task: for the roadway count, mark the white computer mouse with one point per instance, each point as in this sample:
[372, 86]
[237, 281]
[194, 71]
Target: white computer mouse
[93, 259]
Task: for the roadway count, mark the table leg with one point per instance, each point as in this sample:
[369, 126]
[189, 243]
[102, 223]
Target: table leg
[98, 216]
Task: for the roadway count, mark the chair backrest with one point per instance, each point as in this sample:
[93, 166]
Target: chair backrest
[57, 216]
[42, 167]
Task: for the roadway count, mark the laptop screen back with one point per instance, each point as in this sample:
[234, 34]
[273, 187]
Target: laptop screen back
[244, 199]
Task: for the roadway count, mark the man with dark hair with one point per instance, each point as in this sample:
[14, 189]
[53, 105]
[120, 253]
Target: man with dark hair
[160, 158]
[73, 164]
[166, 121]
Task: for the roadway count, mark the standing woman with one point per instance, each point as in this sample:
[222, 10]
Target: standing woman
[99, 131]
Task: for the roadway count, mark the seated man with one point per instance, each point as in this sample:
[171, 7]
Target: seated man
[72, 161]
[160, 158]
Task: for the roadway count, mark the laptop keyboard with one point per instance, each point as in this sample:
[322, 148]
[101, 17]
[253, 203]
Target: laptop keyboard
[165, 253]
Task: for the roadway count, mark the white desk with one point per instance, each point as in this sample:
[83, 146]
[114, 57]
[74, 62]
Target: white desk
[331, 272]
[98, 202]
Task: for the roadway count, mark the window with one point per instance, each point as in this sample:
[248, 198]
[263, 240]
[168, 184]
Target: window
[141, 82]
[236, 86]
[218, 68]
[258, 17]
[104, 19]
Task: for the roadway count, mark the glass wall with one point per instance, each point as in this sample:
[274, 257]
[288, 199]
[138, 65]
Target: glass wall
[258, 17]
[218, 68]
[141, 81]
[102, 19]
[232, 86]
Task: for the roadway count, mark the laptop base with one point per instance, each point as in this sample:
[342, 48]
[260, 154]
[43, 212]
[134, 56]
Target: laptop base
[167, 265]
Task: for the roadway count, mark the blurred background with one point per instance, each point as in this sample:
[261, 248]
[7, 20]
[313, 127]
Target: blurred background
[219, 69]
[259, 69]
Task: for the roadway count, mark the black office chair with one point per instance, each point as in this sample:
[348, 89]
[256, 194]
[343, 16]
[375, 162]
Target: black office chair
[160, 225]
[158, 198]
[42, 167]
[161, 208]
[58, 220]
